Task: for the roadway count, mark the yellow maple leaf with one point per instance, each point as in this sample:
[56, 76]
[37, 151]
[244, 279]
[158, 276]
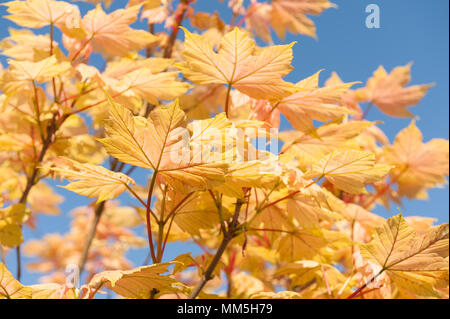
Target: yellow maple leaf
[257, 174]
[304, 273]
[194, 214]
[158, 143]
[51, 291]
[40, 13]
[349, 170]
[308, 212]
[135, 283]
[417, 263]
[22, 45]
[151, 87]
[11, 219]
[11, 288]
[23, 73]
[93, 181]
[238, 63]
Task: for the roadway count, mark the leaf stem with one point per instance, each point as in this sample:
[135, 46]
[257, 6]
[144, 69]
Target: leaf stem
[360, 289]
[366, 111]
[227, 101]
[147, 216]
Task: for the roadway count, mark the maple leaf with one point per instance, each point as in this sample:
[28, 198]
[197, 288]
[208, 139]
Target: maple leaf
[22, 45]
[349, 99]
[420, 224]
[291, 15]
[203, 100]
[245, 285]
[388, 91]
[257, 174]
[258, 20]
[301, 244]
[93, 181]
[151, 87]
[112, 33]
[419, 165]
[357, 214]
[51, 291]
[157, 143]
[308, 212]
[304, 273]
[204, 20]
[413, 262]
[313, 103]
[349, 170]
[310, 149]
[192, 214]
[40, 13]
[23, 73]
[130, 80]
[11, 288]
[135, 283]
[238, 63]
[11, 219]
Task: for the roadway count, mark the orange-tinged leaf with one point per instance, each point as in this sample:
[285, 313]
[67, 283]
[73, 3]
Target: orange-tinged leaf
[419, 165]
[112, 33]
[388, 91]
[313, 103]
[291, 15]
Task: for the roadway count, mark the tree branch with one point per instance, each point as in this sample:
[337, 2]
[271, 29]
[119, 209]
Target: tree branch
[227, 237]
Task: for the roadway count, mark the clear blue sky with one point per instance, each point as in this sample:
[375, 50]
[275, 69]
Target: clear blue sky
[411, 30]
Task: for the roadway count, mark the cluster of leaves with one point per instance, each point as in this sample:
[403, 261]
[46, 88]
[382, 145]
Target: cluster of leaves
[294, 223]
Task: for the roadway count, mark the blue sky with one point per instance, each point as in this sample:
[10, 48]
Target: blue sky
[411, 31]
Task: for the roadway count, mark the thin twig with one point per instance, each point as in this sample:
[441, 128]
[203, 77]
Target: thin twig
[90, 237]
